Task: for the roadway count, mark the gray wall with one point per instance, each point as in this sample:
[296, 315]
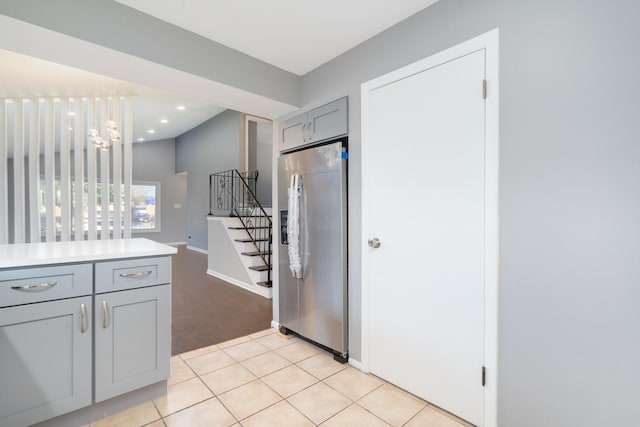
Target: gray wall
[569, 164]
[569, 311]
[213, 146]
[155, 161]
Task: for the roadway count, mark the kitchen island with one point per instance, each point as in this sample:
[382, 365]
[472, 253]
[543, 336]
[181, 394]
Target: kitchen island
[85, 329]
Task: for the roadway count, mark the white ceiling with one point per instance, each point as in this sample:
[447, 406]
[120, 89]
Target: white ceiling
[294, 35]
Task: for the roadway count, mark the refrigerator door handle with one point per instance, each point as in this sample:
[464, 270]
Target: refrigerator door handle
[293, 225]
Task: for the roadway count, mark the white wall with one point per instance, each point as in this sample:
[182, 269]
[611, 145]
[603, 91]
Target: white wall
[260, 156]
[223, 257]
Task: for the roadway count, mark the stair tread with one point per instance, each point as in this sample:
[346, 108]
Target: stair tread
[260, 268]
[251, 240]
[255, 253]
[250, 228]
[266, 284]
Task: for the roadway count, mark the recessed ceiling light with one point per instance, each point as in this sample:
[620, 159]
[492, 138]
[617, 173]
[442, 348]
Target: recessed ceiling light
[164, 121]
[180, 107]
[70, 128]
[151, 131]
[71, 113]
[140, 139]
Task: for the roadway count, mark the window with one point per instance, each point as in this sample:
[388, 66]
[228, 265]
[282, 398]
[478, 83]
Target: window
[145, 207]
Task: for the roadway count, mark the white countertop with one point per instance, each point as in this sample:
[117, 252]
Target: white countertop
[27, 254]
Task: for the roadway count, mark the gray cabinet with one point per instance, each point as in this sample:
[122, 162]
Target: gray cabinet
[293, 132]
[132, 340]
[45, 351]
[322, 123]
[67, 342]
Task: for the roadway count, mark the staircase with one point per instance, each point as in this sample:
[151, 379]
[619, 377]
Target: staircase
[232, 195]
[257, 235]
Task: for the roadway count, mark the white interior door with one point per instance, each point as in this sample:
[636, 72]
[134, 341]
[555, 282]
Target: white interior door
[425, 201]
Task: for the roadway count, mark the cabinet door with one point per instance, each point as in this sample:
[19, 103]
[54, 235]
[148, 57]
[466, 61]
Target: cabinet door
[293, 132]
[132, 340]
[45, 360]
[328, 121]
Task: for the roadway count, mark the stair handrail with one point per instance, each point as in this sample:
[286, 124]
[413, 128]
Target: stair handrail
[221, 188]
[234, 193]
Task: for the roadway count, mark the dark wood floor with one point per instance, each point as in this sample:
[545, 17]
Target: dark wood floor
[207, 310]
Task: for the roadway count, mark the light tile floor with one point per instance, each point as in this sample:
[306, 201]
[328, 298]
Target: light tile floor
[266, 379]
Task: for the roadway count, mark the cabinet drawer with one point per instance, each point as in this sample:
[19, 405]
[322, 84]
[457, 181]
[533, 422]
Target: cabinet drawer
[29, 285]
[133, 273]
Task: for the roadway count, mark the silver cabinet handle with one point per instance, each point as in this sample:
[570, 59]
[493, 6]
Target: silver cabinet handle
[83, 318]
[304, 138]
[105, 315]
[309, 131]
[135, 275]
[35, 288]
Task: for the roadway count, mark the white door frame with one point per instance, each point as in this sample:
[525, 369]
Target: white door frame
[490, 43]
[248, 118]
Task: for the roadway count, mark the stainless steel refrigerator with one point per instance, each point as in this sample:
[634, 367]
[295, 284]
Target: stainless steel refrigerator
[312, 204]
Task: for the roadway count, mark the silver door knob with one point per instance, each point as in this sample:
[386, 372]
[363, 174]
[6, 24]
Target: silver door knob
[374, 243]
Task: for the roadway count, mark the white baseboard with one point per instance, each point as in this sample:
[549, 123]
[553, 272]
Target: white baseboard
[176, 243]
[193, 248]
[259, 290]
[356, 364]
[275, 325]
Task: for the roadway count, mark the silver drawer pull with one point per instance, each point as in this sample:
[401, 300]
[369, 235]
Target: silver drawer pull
[105, 315]
[135, 275]
[35, 288]
[83, 318]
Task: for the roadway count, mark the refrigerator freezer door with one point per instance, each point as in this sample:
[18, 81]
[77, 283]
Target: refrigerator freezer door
[315, 306]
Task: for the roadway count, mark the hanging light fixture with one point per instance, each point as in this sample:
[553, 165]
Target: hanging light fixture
[100, 142]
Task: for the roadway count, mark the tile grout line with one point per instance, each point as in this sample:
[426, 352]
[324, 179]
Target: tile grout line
[215, 396]
[238, 362]
[158, 411]
[260, 378]
[282, 398]
[320, 367]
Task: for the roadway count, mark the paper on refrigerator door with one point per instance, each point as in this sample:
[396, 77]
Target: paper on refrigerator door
[293, 225]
